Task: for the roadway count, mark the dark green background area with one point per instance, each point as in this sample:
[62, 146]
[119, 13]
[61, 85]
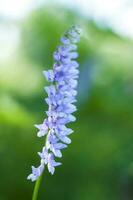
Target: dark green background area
[98, 164]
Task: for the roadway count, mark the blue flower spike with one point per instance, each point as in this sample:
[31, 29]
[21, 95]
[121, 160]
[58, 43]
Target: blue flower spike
[61, 98]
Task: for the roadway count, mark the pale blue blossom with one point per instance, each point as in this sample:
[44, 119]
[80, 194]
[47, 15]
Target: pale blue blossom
[61, 96]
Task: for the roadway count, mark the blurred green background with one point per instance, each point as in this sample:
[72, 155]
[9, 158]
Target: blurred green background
[98, 165]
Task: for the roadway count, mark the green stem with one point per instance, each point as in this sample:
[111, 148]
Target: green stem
[36, 188]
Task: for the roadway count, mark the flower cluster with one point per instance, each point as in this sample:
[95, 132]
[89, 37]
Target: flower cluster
[61, 96]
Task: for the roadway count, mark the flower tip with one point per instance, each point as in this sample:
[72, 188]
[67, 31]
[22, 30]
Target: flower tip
[37, 126]
[31, 177]
[40, 134]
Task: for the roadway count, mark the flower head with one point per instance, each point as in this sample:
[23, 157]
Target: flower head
[61, 96]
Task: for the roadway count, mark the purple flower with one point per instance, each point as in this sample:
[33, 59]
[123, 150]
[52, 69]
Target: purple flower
[61, 96]
[43, 128]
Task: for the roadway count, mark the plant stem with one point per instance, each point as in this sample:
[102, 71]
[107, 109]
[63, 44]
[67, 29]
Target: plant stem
[36, 188]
